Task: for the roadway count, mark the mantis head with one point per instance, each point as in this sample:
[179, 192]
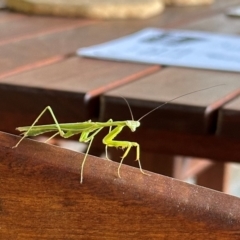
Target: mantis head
[133, 125]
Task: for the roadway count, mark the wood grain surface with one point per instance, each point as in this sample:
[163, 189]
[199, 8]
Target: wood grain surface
[41, 198]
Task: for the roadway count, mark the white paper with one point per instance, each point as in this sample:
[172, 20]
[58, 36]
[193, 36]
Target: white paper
[173, 48]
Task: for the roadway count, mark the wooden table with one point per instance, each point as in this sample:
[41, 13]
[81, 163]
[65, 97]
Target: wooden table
[39, 67]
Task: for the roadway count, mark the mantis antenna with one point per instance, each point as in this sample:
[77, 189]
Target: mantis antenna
[175, 99]
[130, 110]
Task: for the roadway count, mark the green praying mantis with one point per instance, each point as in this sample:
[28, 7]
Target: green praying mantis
[88, 130]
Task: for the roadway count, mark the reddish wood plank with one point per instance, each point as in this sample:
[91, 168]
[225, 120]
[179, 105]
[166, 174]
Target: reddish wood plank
[32, 66]
[44, 180]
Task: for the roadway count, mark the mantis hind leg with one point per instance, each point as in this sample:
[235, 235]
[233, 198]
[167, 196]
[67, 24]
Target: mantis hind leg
[40, 115]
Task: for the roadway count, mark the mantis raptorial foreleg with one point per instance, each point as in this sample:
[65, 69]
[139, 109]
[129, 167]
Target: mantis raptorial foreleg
[109, 141]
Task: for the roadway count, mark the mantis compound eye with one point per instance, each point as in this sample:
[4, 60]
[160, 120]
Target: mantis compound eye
[133, 125]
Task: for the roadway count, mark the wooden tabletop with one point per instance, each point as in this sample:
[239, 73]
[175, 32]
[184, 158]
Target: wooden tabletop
[39, 67]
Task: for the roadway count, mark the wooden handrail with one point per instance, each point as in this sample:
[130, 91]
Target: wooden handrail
[41, 197]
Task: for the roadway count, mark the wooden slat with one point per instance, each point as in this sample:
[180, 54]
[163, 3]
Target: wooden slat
[39, 48]
[33, 26]
[76, 75]
[41, 197]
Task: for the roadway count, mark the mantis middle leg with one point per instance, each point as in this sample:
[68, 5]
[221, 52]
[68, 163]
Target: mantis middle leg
[86, 138]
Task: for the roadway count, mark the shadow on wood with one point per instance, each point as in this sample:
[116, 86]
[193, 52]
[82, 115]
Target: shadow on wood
[41, 198]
